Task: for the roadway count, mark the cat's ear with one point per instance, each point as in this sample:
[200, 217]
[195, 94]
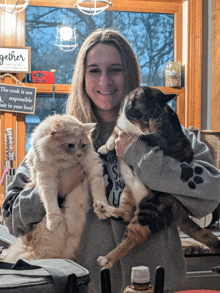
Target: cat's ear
[57, 127]
[168, 97]
[137, 92]
[89, 127]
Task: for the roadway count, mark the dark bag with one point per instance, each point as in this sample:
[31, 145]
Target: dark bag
[43, 276]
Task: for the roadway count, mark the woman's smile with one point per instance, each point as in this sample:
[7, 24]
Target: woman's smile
[107, 93]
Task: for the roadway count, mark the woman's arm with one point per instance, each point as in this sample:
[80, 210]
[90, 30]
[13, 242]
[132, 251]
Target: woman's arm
[195, 185]
[22, 207]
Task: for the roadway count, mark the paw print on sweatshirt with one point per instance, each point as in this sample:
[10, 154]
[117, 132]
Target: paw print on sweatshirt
[191, 175]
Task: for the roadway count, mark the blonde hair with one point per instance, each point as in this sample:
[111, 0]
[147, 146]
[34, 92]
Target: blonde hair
[78, 103]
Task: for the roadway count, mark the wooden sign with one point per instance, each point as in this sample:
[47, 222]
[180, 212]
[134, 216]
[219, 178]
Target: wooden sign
[17, 99]
[15, 59]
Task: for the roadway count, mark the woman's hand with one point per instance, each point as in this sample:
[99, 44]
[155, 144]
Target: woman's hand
[123, 141]
[70, 179]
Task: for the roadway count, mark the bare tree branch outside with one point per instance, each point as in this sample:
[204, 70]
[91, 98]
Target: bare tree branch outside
[150, 35]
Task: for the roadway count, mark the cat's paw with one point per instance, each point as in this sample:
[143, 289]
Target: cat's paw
[103, 150]
[104, 262]
[110, 144]
[54, 219]
[102, 210]
[127, 216]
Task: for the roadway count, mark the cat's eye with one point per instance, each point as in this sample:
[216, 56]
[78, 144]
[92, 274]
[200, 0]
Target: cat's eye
[71, 145]
[145, 120]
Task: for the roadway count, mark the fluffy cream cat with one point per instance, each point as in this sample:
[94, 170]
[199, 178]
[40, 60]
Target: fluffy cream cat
[59, 142]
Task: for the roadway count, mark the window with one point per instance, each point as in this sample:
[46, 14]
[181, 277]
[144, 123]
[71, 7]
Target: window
[45, 105]
[151, 36]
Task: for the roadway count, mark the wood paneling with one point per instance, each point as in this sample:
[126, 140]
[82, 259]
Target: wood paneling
[215, 67]
[48, 88]
[178, 22]
[167, 6]
[194, 74]
[12, 33]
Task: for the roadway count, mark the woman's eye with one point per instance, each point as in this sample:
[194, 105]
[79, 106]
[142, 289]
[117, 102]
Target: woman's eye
[83, 145]
[95, 70]
[71, 145]
[116, 69]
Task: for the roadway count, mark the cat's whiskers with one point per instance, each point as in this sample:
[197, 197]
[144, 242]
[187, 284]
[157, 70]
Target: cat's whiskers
[161, 116]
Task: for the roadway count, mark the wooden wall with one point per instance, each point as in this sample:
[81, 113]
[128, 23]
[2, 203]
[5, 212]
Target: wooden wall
[12, 33]
[215, 67]
[194, 70]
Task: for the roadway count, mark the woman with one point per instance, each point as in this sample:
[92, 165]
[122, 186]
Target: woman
[106, 70]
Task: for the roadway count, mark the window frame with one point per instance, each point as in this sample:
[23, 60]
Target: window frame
[16, 37]
[153, 6]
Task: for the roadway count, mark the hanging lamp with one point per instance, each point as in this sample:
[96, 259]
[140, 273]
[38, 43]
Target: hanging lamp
[92, 7]
[66, 37]
[16, 7]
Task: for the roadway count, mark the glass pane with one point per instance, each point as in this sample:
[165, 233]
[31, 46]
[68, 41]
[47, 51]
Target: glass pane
[151, 36]
[173, 104]
[45, 105]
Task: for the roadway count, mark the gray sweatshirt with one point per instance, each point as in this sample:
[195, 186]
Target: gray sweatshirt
[195, 185]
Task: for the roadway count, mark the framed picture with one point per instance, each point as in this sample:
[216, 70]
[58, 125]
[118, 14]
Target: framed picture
[15, 59]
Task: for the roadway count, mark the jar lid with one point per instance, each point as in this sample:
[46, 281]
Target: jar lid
[140, 274]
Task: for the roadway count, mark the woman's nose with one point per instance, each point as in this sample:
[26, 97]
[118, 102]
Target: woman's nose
[105, 79]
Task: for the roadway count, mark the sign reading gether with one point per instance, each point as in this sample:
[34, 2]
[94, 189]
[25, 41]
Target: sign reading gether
[15, 59]
[17, 99]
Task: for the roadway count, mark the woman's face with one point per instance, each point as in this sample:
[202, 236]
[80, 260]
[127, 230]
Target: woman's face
[104, 77]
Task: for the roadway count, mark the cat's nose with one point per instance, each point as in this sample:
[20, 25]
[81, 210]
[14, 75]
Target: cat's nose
[79, 155]
[151, 128]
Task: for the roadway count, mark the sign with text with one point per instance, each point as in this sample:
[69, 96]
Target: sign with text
[17, 99]
[15, 59]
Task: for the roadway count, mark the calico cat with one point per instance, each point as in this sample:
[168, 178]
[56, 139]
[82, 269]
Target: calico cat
[57, 143]
[145, 112]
